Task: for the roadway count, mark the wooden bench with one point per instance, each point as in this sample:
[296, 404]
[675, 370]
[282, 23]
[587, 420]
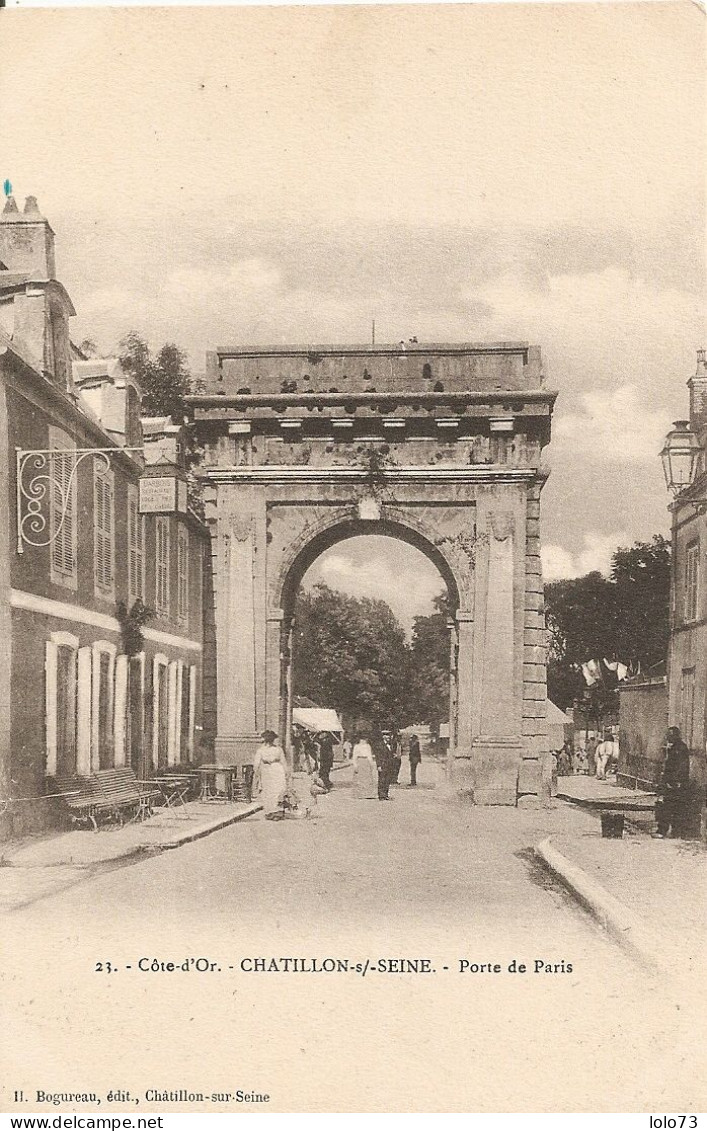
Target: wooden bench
[109, 793]
[122, 791]
[82, 798]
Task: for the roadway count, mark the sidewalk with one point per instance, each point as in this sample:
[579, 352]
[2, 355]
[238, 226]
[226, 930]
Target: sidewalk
[37, 866]
[648, 894]
[595, 793]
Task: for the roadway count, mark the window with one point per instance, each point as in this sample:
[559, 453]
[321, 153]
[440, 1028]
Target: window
[692, 581]
[105, 713]
[162, 565]
[60, 687]
[160, 711]
[183, 574]
[104, 528]
[687, 705]
[62, 513]
[136, 548]
[66, 711]
[135, 722]
[102, 705]
[185, 738]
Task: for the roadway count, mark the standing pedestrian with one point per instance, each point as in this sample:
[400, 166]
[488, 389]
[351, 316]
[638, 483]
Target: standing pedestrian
[592, 756]
[605, 753]
[270, 775]
[326, 757]
[365, 775]
[384, 762]
[673, 788]
[396, 753]
[415, 758]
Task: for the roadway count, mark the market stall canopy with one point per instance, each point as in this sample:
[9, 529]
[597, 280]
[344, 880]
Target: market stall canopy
[317, 718]
[559, 727]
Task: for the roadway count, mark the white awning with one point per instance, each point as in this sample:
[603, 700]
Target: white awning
[317, 718]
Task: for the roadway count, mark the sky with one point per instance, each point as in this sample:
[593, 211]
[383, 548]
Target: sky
[460, 173]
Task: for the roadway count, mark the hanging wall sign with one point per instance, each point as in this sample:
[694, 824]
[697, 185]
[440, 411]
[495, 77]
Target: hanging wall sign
[163, 495]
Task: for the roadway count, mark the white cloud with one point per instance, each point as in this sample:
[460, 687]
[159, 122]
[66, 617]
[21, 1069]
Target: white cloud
[108, 300]
[598, 328]
[596, 554]
[253, 275]
[616, 426]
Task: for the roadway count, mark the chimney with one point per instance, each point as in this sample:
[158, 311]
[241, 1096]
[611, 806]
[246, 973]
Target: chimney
[27, 240]
[698, 394]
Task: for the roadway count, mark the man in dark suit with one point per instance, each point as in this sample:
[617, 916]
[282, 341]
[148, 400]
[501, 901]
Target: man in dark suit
[415, 758]
[673, 788]
[326, 757]
[384, 762]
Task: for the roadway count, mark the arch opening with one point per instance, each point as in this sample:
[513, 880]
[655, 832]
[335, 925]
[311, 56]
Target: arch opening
[400, 676]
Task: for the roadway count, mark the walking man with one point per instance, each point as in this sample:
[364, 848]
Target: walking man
[415, 758]
[674, 785]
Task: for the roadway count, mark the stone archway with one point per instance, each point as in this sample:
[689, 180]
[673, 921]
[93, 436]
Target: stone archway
[292, 462]
[318, 538]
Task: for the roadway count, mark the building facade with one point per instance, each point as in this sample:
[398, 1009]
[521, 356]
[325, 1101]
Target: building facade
[437, 445]
[685, 465]
[101, 560]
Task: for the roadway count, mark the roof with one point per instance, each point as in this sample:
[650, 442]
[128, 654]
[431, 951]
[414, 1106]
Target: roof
[363, 348]
[554, 715]
[156, 425]
[317, 718]
[96, 367]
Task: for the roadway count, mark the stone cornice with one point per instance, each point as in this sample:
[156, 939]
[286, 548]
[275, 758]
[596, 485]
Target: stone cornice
[480, 473]
[279, 401]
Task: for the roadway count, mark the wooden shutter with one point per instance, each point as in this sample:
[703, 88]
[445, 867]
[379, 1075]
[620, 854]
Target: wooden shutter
[162, 564]
[50, 666]
[136, 587]
[62, 510]
[182, 574]
[103, 528]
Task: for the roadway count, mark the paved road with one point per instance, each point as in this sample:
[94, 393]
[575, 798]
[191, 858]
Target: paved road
[419, 877]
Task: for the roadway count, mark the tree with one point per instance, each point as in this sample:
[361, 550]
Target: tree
[351, 654]
[164, 378]
[429, 700]
[165, 381]
[623, 617]
[641, 575]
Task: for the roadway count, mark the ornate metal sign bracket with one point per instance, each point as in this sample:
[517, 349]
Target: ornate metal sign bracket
[38, 483]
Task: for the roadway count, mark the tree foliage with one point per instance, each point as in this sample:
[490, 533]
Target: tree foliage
[164, 377]
[429, 654]
[622, 617]
[351, 654]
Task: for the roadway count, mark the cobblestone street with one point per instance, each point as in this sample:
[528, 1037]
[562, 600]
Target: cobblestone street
[420, 877]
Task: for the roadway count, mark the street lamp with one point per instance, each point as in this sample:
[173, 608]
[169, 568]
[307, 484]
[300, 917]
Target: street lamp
[680, 456]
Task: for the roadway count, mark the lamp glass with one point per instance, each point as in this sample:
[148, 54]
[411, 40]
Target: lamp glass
[680, 457]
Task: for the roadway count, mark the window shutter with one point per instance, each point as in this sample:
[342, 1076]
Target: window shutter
[103, 527]
[62, 509]
[121, 702]
[50, 666]
[85, 713]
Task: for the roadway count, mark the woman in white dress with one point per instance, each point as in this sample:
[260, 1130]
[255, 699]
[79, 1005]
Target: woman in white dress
[270, 775]
[365, 775]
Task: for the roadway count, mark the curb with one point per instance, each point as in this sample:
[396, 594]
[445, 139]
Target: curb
[626, 928]
[627, 804]
[199, 834]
